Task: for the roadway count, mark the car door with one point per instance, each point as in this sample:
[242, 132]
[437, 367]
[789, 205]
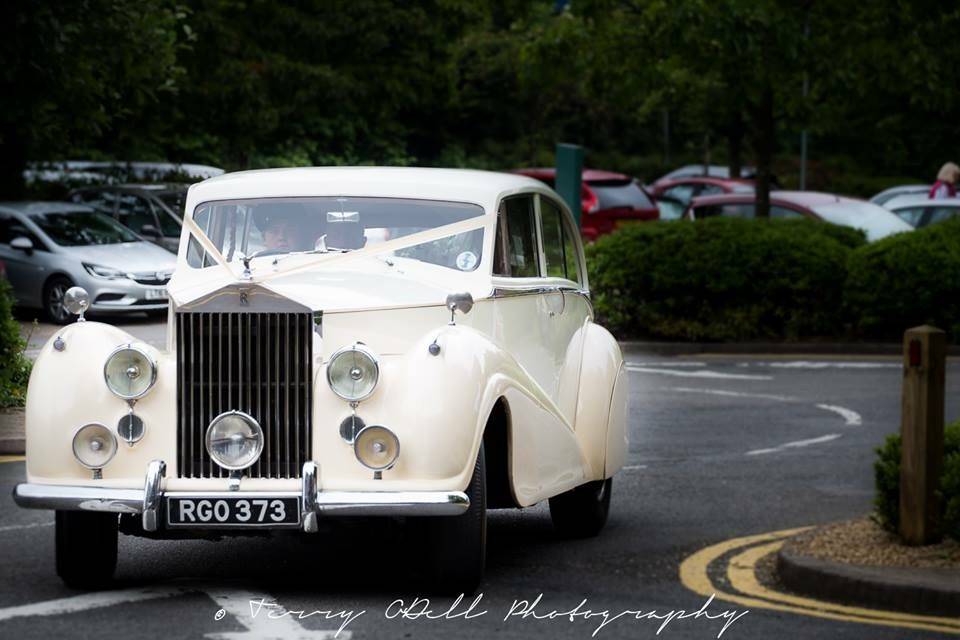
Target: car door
[26, 271]
[568, 309]
[169, 226]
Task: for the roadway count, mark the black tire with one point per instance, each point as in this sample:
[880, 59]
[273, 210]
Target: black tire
[86, 548]
[53, 299]
[455, 547]
[582, 511]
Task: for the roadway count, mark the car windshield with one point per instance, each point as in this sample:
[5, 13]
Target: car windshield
[82, 228]
[277, 226]
[174, 200]
[612, 195]
[876, 221]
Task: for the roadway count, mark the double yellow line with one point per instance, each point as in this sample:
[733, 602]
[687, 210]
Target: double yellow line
[741, 572]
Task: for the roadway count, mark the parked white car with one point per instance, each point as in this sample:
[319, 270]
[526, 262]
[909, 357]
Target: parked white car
[920, 211]
[342, 341]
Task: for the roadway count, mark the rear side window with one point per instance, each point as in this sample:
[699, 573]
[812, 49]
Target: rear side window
[521, 237]
[940, 214]
[614, 194]
[558, 246]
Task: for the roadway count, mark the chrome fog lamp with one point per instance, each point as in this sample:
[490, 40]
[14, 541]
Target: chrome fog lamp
[377, 447]
[94, 446]
[353, 373]
[234, 440]
[129, 372]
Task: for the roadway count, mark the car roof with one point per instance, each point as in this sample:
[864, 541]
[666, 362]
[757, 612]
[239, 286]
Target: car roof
[30, 208]
[908, 201]
[454, 185]
[801, 198]
[706, 180]
[588, 175]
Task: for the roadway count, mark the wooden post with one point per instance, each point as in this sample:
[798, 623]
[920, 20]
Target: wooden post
[921, 462]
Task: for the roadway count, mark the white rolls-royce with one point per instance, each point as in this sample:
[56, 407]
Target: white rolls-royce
[341, 341]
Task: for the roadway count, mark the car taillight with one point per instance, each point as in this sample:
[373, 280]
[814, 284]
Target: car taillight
[591, 203]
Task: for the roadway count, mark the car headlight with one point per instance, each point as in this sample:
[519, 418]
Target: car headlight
[234, 440]
[353, 373]
[94, 446]
[129, 372]
[377, 447]
[104, 272]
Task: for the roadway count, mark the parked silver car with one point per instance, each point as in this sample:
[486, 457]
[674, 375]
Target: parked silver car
[920, 211]
[47, 247]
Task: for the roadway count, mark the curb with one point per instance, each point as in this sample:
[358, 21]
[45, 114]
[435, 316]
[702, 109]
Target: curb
[12, 439]
[922, 591]
[772, 348]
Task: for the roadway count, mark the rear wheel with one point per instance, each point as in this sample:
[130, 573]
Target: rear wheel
[582, 511]
[86, 548]
[53, 294]
[455, 547]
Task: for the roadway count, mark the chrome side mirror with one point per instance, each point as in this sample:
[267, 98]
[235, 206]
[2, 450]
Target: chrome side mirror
[462, 302]
[77, 301]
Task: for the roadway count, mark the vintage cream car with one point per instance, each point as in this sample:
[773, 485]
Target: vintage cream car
[341, 341]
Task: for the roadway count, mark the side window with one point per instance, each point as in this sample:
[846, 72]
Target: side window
[559, 246]
[709, 190]
[135, 212]
[11, 228]
[168, 225]
[784, 212]
[521, 237]
[738, 211]
[682, 192]
[500, 265]
[940, 214]
[911, 216]
[104, 201]
[552, 225]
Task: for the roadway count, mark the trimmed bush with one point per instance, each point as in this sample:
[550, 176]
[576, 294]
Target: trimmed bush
[14, 368]
[906, 280]
[887, 479]
[722, 279]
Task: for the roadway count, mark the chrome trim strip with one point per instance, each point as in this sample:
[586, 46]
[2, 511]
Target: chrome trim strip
[152, 492]
[328, 503]
[509, 292]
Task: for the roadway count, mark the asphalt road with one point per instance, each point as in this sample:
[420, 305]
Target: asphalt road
[708, 461]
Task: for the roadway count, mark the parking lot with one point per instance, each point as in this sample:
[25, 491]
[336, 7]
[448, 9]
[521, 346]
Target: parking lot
[721, 447]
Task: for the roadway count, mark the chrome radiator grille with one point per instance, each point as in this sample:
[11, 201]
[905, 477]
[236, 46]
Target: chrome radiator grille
[257, 363]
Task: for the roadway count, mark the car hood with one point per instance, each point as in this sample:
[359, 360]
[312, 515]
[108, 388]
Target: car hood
[362, 285]
[131, 257]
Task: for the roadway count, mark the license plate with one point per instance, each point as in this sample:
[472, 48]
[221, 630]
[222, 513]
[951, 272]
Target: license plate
[268, 511]
[156, 294]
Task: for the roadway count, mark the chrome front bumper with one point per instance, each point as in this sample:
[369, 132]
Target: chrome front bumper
[314, 503]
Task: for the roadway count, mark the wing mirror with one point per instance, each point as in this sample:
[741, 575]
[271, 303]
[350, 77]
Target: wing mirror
[22, 243]
[462, 302]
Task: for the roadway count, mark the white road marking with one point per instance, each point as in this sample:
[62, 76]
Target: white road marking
[698, 374]
[669, 363]
[87, 601]
[634, 467]
[852, 417]
[32, 525]
[732, 394]
[795, 444]
[820, 364]
[267, 624]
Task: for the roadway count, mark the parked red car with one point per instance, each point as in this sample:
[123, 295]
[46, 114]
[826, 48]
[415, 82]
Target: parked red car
[686, 189]
[609, 200]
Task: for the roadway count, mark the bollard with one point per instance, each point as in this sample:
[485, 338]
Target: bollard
[921, 431]
[569, 178]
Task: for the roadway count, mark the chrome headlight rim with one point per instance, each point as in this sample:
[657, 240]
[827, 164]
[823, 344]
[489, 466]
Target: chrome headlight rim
[249, 420]
[357, 441]
[73, 445]
[360, 348]
[153, 371]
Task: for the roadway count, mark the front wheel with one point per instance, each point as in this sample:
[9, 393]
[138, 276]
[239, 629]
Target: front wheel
[582, 511]
[455, 547]
[86, 544]
[53, 294]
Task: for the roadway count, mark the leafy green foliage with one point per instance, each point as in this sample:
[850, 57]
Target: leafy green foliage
[887, 480]
[906, 280]
[722, 279]
[14, 367]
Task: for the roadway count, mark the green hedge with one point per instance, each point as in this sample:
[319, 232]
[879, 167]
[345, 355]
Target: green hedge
[887, 476]
[722, 279]
[906, 280]
[14, 368]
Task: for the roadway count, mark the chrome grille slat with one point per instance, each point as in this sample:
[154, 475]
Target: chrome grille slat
[275, 388]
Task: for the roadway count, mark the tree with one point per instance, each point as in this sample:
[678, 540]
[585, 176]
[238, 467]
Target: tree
[70, 70]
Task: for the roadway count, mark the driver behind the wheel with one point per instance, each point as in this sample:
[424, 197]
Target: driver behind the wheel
[281, 226]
